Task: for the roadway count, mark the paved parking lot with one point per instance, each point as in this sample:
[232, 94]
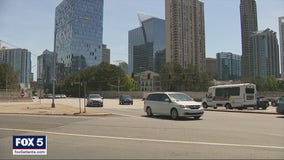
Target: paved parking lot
[70, 106]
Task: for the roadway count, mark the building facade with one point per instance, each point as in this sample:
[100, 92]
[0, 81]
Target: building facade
[185, 33]
[281, 44]
[20, 60]
[78, 35]
[45, 67]
[248, 14]
[148, 81]
[228, 66]
[211, 66]
[106, 54]
[146, 45]
[264, 56]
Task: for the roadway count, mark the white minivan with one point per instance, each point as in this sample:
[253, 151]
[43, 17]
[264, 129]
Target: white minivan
[174, 104]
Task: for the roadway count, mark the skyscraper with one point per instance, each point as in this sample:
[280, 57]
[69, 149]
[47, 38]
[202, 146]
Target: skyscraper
[45, 67]
[146, 45]
[264, 57]
[20, 60]
[228, 66]
[248, 14]
[78, 35]
[185, 33]
[281, 36]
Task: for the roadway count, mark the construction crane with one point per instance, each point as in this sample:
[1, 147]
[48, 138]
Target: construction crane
[9, 44]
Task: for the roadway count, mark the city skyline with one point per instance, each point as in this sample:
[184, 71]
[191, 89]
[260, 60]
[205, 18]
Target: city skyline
[35, 19]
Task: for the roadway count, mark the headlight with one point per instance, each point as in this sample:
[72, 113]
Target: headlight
[182, 106]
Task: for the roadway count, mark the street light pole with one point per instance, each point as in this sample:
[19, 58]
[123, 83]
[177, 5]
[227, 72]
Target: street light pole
[54, 68]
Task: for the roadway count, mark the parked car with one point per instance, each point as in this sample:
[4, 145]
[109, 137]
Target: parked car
[125, 99]
[280, 105]
[49, 95]
[262, 103]
[95, 100]
[174, 104]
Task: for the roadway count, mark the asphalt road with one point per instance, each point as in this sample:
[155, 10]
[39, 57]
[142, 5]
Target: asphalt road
[129, 134]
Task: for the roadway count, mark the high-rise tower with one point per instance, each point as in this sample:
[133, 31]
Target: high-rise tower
[78, 35]
[146, 45]
[248, 16]
[185, 33]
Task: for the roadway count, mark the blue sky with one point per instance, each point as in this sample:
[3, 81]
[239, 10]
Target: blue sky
[30, 23]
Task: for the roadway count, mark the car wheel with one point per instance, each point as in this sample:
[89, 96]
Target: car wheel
[149, 112]
[264, 108]
[204, 105]
[174, 114]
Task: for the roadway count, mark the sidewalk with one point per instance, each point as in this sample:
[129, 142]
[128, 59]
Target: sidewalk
[269, 110]
[35, 108]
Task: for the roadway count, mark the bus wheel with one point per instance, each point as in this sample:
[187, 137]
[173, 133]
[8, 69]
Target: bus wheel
[228, 106]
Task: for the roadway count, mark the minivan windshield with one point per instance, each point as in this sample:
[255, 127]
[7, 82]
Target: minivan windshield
[180, 97]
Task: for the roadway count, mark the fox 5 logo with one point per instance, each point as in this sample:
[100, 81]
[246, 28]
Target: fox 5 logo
[29, 142]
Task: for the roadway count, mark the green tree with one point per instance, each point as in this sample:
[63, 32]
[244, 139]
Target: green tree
[271, 83]
[104, 77]
[175, 78]
[8, 79]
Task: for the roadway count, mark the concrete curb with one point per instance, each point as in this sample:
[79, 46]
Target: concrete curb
[64, 114]
[240, 111]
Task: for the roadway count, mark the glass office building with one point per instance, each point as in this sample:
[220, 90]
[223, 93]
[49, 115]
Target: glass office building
[78, 35]
[264, 55]
[228, 66]
[45, 67]
[20, 60]
[146, 45]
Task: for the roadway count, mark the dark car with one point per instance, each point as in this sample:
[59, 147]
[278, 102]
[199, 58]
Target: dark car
[125, 99]
[262, 103]
[280, 105]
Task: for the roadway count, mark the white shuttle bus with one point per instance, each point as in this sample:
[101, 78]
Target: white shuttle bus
[231, 96]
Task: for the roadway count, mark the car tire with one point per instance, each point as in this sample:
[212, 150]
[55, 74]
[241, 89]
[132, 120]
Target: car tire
[204, 105]
[149, 112]
[174, 114]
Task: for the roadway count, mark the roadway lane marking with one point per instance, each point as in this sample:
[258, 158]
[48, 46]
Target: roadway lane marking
[145, 140]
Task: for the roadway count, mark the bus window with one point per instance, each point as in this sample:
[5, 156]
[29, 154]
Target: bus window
[235, 91]
[249, 90]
